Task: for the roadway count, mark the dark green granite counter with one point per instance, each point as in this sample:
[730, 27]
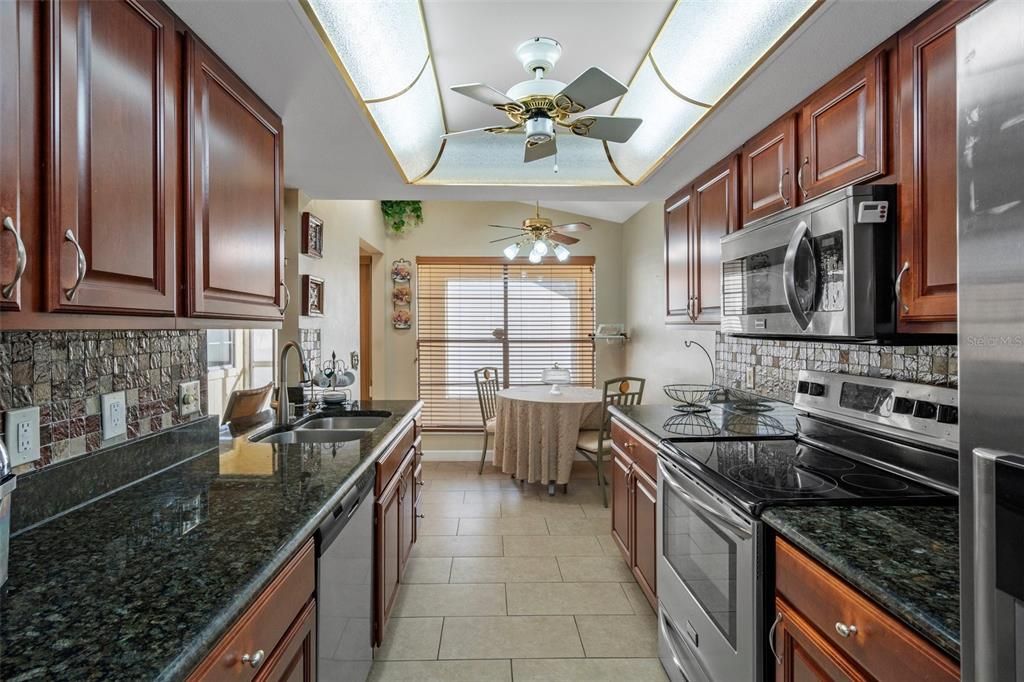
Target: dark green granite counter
[904, 558]
[141, 584]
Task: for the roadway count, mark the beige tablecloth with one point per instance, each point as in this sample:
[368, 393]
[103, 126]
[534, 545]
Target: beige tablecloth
[535, 432]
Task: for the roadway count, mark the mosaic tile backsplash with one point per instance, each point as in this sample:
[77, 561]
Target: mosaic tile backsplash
[64, 373]
[776, 363]
[309, 339]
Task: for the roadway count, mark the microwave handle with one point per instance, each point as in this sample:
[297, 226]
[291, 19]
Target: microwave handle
[800, 234]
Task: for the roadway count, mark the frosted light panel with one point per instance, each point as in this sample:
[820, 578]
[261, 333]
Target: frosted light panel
[364, 31]
[412, 126]
[666, 119]
[707, 45]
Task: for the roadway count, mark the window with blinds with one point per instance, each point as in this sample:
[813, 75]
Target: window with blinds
[488, 312]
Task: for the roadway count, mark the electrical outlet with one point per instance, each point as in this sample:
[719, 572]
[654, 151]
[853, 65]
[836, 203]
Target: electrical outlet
[22, 429]
[115, 418]
[750, 378]
[188, 398]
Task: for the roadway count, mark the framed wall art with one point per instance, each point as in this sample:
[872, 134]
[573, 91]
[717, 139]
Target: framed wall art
[312, 296]
[312, 236]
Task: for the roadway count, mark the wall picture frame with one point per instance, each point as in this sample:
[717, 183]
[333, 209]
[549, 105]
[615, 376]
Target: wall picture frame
[312, 235]
[312, 296]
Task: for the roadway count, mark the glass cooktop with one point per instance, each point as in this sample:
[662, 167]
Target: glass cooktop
[723, 421]
[759, 473]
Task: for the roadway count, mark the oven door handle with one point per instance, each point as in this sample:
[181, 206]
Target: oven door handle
[670, 481]
[801, 238]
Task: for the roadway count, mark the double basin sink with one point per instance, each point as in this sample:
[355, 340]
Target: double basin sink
[326, 429]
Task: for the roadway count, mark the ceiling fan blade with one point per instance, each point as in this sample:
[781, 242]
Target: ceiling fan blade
[571, 227]
[506, 227]
[502, 239]
[592, 87]
[562, 238]
[540, 151]
[610, 128]
[488, 95]
[489, 129]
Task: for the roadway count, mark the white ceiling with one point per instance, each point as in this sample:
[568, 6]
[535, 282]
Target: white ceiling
[475, 42]
[331, 151]
[615, 211]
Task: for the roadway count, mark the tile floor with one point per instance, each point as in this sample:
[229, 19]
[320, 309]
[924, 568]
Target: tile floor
[509, 584]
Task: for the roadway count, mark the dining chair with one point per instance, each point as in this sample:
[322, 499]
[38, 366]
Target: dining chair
[487, 387]
[245, 402]
[591, 442]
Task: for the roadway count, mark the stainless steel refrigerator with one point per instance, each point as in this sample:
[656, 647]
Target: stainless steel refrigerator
[990, 197]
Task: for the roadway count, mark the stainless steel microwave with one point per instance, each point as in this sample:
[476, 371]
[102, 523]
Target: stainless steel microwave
[823, 269]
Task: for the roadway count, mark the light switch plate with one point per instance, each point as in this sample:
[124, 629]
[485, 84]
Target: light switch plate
[188, 398]
[113, 407]
[21, 427]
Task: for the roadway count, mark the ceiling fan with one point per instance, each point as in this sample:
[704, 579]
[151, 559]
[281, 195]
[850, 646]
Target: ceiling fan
[545, 235]
[537, 106]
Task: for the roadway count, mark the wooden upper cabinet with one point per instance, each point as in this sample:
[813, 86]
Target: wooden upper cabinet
[768, 170]
[843, 130]
[112, 186]
[678, 298]
[928, 161]
[715, 214]
[233, 227]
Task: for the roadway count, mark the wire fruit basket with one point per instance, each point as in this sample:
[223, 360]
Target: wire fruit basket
[746, 401]
[691, 397]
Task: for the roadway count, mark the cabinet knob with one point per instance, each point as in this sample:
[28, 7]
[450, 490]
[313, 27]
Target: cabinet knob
[420, 483]
[845, 630]
[421, 516]
[254, 660]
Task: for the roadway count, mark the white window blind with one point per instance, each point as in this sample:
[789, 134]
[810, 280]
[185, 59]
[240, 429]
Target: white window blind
[480, 312]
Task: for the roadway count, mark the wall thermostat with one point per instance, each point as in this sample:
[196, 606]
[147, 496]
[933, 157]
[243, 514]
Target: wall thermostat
[872, 212]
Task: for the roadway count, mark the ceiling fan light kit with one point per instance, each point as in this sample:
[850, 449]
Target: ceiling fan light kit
[543, 237]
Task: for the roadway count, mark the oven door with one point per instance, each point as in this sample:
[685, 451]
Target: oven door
[708, 581]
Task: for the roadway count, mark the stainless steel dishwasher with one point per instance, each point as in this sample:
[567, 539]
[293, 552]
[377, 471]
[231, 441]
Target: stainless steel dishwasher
[344, 587]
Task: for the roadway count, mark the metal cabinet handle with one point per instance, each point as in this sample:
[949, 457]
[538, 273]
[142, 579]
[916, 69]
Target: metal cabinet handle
[255, 660]
[7, 290]
[421, 516]
[899, 286]
[771, 638]
[785, 199]
[691, 309]
[287, 297]
[845, 630]
[420, 483]
[800, 176]
[70, 293]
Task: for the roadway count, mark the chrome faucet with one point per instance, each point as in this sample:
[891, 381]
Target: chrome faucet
[282, 380]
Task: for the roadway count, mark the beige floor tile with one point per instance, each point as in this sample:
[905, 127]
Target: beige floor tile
[534, 507]
[638, 599]
[579, 526]
[505, 570]
[443, 496]
[522, 525]
[609, 546]
[438, 525]
[450, 600]
[549, 545]
[584, 491]
[617, 636]
[510, 637]
[588, 670]
[558, 599]
[433, 469]
[455, 510]
[428, 570]
[597, 511]
[472, 483]
[441, 671]
[457, 545]
[410, 639]
[500, 495]
[594, 569]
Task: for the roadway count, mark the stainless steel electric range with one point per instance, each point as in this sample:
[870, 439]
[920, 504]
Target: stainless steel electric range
[858, 440]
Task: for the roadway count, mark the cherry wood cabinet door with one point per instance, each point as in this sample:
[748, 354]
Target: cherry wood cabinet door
[678, 297]
[388, 518]
[407, 511]
[768, 169]
[843, 130]
[112, 187]
[645, 552]
[928, 161]
[233, 203]
[622, 481]
[806, 655]
[294, 659]
[715, 214]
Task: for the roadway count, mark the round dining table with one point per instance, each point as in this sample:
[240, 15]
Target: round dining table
[536, 431]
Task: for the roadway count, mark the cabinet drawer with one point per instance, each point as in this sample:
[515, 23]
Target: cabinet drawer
[389, 462]
[265, 623]
[881, 645]
[644, 454]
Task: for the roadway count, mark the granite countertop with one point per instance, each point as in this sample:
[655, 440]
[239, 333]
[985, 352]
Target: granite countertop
[723, 421]
[142, 583]
[904, 558]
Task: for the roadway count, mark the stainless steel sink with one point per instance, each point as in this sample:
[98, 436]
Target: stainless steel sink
[312, 436]
[341, 423]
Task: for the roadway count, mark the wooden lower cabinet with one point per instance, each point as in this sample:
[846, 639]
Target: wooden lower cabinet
[827, 630]
[634, 494]
[295, 658]
[621, 482]
[644, 559]
[387, 566]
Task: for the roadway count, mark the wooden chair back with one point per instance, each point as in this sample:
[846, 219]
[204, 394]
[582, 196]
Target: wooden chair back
[487, 387]
[246, 402]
